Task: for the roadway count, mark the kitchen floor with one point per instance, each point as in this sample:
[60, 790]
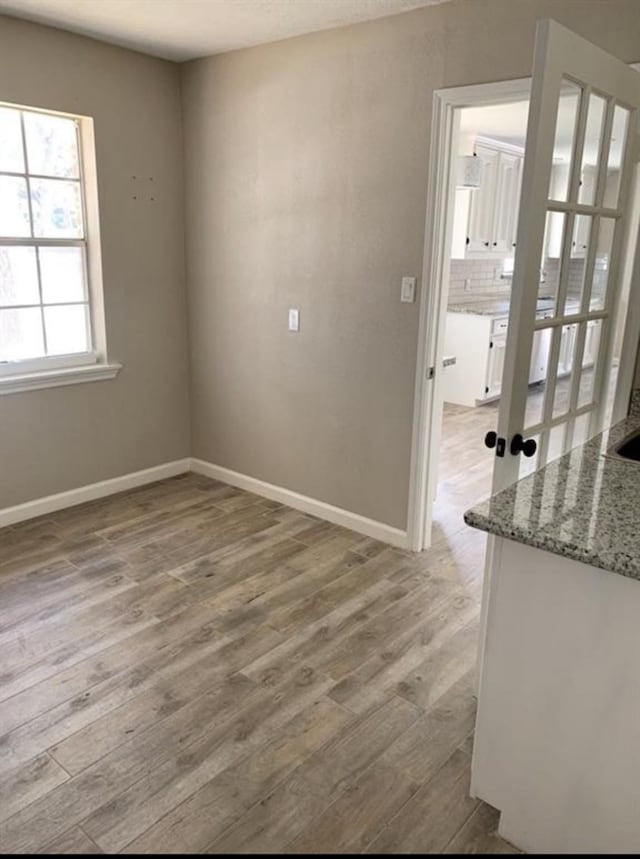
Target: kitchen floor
[189, 668]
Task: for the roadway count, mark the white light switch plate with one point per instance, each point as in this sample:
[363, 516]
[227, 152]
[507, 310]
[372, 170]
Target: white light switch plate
[294, 319]
[408, 291]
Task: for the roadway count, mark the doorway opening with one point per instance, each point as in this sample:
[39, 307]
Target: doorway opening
[479, 134]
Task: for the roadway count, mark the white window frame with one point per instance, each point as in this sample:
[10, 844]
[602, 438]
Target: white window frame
[60, 370]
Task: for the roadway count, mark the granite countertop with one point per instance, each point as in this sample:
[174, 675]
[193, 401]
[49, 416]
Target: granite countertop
[584, 505]
[480, 307]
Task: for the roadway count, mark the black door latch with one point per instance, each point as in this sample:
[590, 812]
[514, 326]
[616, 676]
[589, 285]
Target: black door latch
[492, 440]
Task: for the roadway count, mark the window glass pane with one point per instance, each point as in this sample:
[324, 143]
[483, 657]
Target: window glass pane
[577, 263]
[619, 132]
[67, 329]
[21, 334]
[591, 150]
[606, 230]
[11, 153]
[62, 274]
[18, 276]
[14, 207]
[564, 140]
[57, 208]
[52, 145]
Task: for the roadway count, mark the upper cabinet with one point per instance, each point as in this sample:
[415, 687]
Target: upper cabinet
[485, 218]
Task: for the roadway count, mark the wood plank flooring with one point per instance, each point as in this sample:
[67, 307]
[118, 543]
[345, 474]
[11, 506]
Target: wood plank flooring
[189, 668]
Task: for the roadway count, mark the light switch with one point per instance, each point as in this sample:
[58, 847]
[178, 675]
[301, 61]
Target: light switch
[408, 291]
[294, 319]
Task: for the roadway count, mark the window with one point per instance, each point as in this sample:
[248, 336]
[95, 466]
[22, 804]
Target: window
[49, 320]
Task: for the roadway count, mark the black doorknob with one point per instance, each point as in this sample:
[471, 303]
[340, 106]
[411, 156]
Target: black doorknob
[491, 439]
[527, 447]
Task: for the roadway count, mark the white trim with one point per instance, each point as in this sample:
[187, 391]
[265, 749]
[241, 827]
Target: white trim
[433, 296]
[16, 383]
[336, 515]
[62, 500]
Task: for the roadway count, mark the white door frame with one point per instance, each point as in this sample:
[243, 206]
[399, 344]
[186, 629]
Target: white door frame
[433, 295]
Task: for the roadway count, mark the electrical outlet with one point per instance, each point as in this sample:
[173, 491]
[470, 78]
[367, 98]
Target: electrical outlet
[294, 319]
[467, 284]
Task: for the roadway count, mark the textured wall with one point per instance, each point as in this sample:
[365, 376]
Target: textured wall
[60, 438]
[306, 171]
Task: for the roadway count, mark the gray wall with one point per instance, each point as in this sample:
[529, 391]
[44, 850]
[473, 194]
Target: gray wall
[306, 171]
[61, 438]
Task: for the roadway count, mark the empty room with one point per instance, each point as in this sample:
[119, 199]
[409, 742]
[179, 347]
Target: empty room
[319, 426]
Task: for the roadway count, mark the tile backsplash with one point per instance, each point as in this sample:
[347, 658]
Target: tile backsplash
[483, 278]
[473, 280]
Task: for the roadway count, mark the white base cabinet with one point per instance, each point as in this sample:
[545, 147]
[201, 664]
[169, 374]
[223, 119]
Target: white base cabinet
[557, 738]
[479, 344]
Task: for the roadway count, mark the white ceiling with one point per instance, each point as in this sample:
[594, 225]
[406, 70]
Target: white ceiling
[186, 29]
[508, 123]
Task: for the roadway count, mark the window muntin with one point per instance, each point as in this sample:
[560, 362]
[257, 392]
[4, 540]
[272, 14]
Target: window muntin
[44, 292]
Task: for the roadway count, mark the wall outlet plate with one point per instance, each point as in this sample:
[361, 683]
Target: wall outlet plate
[408, 290]
[294, 319]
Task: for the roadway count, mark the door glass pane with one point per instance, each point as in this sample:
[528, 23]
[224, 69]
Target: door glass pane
[591, 150]
[566, 120]
[566, 359]
[57, 210]
[528, 464]
[590, 358]
[556, 442]
[606, 229]
[581, 430]
[577, 263]
[67, 329]
[550, 263]
[62, 273]
[619, 131]
[11, 153]
[21, 334]
[52, 145]
[18, 276]
[537, 376]
[14, 207]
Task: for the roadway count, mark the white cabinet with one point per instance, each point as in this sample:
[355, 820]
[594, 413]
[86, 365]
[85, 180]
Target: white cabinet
[479, 344]
[483, 203]
[485, 219]
[506, 203]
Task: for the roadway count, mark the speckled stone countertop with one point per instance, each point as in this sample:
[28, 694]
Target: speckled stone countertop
[491, 307]
[584, 505]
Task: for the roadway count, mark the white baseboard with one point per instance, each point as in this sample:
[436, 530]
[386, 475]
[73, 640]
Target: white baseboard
[336, 515]
[51, 503]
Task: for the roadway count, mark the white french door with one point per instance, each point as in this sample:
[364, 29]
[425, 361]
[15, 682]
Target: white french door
[573, 223]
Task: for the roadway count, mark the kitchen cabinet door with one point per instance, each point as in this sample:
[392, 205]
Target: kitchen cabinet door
[506, 203]
[481, 213]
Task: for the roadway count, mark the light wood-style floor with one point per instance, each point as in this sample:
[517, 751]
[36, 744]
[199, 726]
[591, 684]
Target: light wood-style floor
[190, 668]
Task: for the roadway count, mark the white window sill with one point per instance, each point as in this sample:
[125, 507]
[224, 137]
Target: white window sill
[16, 383]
